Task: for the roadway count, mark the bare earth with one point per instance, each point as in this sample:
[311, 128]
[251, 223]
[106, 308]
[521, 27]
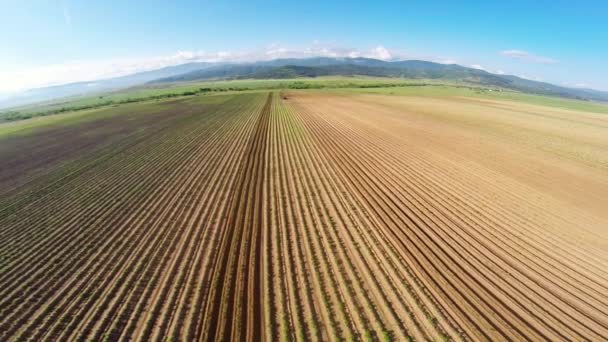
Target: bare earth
[314, 216]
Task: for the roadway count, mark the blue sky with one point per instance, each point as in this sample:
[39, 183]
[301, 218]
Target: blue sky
[55, 41]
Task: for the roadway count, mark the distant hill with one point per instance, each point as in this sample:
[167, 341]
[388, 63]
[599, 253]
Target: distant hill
[306, 67]
[83, 88]
[414, 69]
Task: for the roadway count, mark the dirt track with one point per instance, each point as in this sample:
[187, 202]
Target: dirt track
[315, 217]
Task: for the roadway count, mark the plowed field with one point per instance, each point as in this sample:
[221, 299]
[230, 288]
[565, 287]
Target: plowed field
[307, 216]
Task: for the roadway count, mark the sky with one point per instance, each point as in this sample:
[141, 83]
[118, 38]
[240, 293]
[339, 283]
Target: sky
[48, 42]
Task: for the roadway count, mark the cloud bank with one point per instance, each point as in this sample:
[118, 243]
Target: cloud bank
[89, 71]
[84, 71]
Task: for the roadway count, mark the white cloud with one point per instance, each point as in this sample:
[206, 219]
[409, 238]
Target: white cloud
[77, 71]
[527, 56]
[317, 49]
[380, 52]
[478, 67]
[500, 72]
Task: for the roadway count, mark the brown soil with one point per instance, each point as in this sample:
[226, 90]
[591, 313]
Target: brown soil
[308, 216]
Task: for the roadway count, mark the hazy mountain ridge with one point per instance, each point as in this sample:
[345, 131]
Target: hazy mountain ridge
[306, 67]
[415, 69]
[83, 88]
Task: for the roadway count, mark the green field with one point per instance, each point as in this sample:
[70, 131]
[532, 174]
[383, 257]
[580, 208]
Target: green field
[386, 86]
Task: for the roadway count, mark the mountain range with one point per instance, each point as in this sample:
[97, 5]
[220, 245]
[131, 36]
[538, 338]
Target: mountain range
[412, 69]
[308, 67]
[98, 86]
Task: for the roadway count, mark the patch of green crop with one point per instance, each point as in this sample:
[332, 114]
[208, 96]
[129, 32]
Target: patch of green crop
[375, 85]
[455, 90]
[131, 110]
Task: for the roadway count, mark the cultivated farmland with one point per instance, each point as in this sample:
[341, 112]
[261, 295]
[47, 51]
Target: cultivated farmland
[306, 215]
